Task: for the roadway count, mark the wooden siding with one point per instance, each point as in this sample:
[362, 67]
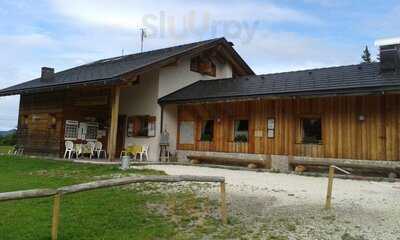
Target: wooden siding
[39, 136]
[344, 136]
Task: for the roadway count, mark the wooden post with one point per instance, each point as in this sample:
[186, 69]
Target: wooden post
[224, 217]
[112, 133]
[328, 202]
[56, 216]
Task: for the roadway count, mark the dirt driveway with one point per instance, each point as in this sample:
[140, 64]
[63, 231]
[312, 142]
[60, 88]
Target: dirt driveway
[282, 206]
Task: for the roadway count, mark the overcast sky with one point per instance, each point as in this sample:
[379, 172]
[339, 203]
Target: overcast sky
[272, 36]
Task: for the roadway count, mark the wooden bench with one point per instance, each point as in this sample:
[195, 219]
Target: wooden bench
[230, 161]
[392, 169]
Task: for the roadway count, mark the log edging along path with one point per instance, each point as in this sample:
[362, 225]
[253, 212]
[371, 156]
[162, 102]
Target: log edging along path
[58, 193]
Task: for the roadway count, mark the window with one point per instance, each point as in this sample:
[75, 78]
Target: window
[207, 131]
[241, 133]
[311, 130]
[141, 126]
[203, 65]
[71, 130]
[91, 132]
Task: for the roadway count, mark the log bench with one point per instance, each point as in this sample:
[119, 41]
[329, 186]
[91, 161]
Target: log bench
[392, 168]
[229, 161]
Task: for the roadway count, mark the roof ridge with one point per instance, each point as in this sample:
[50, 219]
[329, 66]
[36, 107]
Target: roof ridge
[318, 69]
[295, 71]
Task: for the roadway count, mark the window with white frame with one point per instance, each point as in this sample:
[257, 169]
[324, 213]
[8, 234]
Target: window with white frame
[91, 131]
[71, 130]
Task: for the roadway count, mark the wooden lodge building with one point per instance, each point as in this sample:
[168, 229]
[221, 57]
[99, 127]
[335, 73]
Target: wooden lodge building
[213, 105]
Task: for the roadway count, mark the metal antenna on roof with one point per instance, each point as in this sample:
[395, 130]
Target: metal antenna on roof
[143, 35]
[122, 52]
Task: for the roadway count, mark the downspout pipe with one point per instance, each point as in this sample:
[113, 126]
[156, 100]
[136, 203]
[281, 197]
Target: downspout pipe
[162, 118]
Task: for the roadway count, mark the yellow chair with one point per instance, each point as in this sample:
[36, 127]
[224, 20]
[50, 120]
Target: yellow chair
[132, 150]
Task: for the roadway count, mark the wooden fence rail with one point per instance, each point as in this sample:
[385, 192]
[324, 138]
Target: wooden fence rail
[58, 193]
[34, 193]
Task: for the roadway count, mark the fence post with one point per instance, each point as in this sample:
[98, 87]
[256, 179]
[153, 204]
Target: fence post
[328, 202]
[56, 216]
[224, 217]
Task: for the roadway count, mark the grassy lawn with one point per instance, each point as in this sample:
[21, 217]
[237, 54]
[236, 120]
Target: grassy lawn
[117, 213]
[5, 149]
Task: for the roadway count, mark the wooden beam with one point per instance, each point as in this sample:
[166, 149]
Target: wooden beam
[83, 187]
[34, 193]
[172, 64]
[112, 133]
[233, 63]
[130, 77]
[340, 163]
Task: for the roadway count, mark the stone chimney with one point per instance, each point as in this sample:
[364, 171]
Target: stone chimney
[389, 55]
[47, 74]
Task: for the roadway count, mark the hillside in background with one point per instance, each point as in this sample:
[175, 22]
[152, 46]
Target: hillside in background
[5, 133]
[8, 138]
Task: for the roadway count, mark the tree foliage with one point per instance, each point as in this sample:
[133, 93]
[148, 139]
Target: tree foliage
[366, 57]
[8, 140]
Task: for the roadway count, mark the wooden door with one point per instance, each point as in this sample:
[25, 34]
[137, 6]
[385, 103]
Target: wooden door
[121, 130]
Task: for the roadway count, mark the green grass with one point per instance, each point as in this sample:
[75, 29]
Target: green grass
[5, 149]
[116, 213]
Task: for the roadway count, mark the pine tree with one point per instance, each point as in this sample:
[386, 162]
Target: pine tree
[366, 57]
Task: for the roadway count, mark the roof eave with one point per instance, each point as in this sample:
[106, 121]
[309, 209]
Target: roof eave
[100, 82]
[242, 62]
[317, 93]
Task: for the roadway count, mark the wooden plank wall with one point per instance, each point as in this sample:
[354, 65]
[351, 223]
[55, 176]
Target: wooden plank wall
[38, 135]
[344, 135]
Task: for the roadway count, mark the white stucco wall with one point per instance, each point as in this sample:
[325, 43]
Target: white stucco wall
[141, 99]
[176, 77]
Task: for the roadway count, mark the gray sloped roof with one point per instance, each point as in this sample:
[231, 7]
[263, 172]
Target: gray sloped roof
[111, 69]
[334, 80]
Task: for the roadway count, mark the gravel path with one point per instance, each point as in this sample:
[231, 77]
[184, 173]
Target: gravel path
[291, 206]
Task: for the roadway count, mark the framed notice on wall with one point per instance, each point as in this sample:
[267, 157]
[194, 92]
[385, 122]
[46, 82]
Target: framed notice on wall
[186, 132]
[271, 127]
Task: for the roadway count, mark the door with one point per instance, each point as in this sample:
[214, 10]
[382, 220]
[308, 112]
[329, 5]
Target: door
[120, 135]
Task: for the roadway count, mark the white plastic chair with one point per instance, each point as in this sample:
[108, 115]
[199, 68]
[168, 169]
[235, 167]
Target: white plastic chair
[98, 148]
[69, 149]
[92, 147]
[145, 152]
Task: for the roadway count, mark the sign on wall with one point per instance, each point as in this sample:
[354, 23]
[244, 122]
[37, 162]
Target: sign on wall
[186, 132]
[271, 127]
